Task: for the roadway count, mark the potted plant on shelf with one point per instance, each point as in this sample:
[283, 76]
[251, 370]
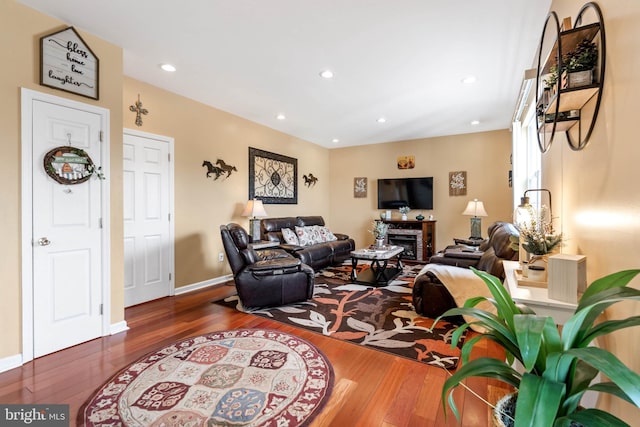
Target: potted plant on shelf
[404, 210]
[379, 232]
[580, 63]
[550, 82]
[538, 239]
[558, 367]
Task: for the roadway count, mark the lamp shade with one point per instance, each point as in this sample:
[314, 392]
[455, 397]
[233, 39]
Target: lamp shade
[254, 209]
[475, 208]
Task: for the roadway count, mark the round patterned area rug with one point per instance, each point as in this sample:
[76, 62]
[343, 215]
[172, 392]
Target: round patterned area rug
[244, 377]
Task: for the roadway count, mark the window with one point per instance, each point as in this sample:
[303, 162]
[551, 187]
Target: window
[527, 170]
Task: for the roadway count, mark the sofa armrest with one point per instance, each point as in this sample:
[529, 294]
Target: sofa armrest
[463, 252]
[272, 253]
[291, 248]
[341, 236]
[275, 266]
[431, 298]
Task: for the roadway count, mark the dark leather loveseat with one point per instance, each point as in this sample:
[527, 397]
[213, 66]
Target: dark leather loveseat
[431, 298]
[317, 255]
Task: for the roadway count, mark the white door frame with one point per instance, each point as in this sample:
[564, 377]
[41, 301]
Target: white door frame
[28, 96]
[169, 140]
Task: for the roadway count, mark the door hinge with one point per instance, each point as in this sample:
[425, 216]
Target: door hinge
[169, 217]
[100, 222]
[170, 276]
[101, 309]
[101, 136]
[169, 157]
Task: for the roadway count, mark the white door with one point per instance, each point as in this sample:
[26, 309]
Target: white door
[148, 240]
[67, 236]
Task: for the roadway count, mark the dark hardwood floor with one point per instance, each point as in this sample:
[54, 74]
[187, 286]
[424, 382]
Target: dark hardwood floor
[371, 388]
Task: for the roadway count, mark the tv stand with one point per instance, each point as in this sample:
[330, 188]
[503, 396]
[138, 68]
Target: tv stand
[428, 229]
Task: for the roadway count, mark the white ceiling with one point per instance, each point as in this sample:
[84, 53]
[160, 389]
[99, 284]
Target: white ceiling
[399, 59]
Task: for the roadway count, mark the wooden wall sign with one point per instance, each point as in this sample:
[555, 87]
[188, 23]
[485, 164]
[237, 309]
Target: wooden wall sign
[67, 63]
[458, 183]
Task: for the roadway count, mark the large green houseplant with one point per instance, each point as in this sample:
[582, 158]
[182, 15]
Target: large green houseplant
[558, 367]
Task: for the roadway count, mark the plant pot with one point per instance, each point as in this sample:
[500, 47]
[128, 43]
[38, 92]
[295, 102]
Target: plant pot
[379, 243]
[577, 78]
[537, 268]
[504, 412]
[404, 217]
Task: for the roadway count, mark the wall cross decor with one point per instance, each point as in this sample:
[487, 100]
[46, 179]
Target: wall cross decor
[137, 108]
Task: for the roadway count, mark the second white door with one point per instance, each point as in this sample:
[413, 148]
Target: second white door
[147, 195]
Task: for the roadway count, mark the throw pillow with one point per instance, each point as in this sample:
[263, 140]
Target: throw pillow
[316, 237]
[290, 237]
[326, 234]
[308, 235]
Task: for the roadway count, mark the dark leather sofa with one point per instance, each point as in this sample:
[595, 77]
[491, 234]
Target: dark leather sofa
[319, 255]
[265, 278]
[431, 298]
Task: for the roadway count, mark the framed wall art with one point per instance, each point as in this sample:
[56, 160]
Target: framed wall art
[359, 187]
[67, 63]
[458, 183]
[406, 162]
[273, 178]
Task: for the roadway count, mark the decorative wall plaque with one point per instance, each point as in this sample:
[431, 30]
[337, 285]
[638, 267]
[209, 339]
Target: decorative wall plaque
[360, 187]
[67, 63]
[273, 178]
[406, 162]
[458, 183]
[69, 165]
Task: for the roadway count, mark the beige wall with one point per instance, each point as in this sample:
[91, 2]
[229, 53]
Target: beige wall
[596, 188]
[485, 156]
[203, 204]
[21, 29]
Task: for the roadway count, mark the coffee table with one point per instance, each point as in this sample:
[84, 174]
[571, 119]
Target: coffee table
[380, 273]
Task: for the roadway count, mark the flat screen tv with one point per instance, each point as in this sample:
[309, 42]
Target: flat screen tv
[417, 193]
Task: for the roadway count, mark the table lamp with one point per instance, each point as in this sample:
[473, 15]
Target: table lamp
[254, 210]
[475, 208]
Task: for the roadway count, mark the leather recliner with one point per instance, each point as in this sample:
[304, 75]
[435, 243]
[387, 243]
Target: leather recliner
[265, 278]
[431, 298]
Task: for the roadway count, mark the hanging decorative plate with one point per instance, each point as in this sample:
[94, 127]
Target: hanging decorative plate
[69, 165]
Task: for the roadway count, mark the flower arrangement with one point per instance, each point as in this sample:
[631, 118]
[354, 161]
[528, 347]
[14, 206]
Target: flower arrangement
[379, 229]
[404, 210]
[537, 234]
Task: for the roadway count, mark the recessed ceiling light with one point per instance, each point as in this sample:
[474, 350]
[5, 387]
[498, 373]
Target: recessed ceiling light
[168, 67]
[381, 120]
[469, 79]
[281, 117]
[335, 140]
[326, 74]
[475, 122]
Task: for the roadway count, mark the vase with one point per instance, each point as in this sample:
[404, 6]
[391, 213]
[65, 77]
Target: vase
[380, 243]
[404, 217]
[537, 268]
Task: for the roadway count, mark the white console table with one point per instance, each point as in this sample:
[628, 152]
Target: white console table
[536, 298]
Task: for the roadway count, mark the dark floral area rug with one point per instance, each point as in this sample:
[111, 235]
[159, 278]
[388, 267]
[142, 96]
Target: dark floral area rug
[380, 318]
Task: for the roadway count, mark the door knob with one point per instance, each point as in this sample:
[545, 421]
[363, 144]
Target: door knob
[43, 241]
